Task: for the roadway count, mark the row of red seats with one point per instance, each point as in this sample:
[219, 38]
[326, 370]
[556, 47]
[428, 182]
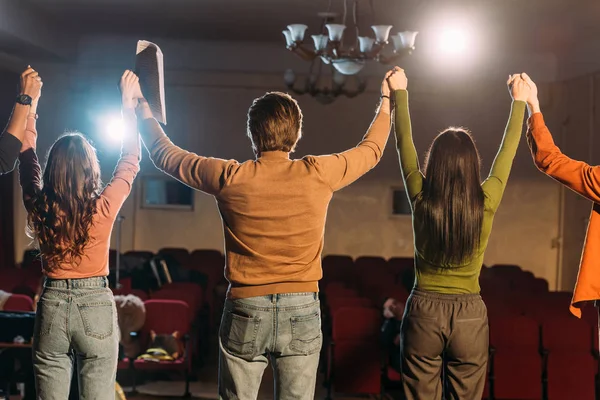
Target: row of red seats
[529, 355]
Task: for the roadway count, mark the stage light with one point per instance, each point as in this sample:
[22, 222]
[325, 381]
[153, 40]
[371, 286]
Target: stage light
[115, 128]
[453, 41]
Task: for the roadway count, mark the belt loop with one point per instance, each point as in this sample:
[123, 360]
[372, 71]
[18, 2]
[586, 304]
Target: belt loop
[68, 284]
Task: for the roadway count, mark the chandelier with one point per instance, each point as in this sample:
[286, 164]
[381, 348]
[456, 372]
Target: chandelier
[325, 88]
[330, 48]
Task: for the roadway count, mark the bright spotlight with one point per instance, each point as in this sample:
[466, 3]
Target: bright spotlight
[115, 128]
[453, 41]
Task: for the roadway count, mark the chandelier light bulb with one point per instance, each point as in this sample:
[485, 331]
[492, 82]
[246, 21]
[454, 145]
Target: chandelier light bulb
[408, 38]
[288, 38]
[366, 44]
[338, 78]
[382, 32]
[336, 31]
[289, 77]
[320, 42]
[297, 31]
[349, 67]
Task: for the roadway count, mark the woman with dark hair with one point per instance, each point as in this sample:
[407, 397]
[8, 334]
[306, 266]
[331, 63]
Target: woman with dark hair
[12, 137]
[452, 220]
[71, 216]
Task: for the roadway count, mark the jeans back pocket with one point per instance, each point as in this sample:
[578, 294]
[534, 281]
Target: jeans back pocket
[45, 316]
[306, 333]
[238, 334]
[98, 318]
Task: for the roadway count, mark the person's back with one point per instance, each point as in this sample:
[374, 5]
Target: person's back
[273, 210]
[70, 217]
[452, 219]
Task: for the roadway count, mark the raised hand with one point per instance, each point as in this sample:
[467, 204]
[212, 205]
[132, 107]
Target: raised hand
[130, 89]
[533, 103]
[397, 79]
[518, 88]
[31, 84]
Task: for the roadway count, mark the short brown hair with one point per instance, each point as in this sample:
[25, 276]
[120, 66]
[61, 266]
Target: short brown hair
[274, 123]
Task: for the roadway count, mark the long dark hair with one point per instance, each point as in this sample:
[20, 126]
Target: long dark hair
[61, 213]
[451, 203]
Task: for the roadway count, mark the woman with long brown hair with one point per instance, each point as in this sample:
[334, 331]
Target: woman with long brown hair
[452, 220]
[71, 216]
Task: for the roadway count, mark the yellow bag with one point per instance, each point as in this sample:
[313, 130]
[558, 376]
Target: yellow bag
[119, 395]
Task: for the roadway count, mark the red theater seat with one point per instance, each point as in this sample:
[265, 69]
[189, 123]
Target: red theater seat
[516, 363]
[18, 302]
[354, 361]
[166, 317]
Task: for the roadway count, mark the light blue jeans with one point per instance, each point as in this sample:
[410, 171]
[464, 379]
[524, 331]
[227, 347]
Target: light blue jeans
[282, 328]
[76, 316]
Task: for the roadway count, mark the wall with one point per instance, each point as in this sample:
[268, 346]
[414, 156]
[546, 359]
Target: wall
[208, 97]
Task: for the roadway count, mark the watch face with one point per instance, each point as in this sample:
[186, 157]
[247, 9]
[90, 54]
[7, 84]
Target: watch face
[24, 99]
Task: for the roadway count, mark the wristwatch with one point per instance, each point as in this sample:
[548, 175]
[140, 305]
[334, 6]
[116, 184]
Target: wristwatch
[24, 99]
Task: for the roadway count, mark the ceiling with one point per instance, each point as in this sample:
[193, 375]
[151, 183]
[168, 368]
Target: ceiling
[532, 25]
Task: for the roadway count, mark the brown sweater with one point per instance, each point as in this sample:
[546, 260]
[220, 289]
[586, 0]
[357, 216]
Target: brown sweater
[273, 208]
[95, 259]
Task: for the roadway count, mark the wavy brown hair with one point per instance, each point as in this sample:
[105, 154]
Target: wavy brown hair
[451, 204]
[61, 213]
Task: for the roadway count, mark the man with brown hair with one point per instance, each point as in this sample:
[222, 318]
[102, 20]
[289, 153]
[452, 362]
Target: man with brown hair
[273, 210]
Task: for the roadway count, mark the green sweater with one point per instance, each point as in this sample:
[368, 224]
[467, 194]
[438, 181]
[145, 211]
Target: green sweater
[453, 279]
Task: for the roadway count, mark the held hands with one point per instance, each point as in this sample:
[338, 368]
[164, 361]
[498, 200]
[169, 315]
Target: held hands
[395, 79]
[131, 91]
[533, 103]
[31, 84]
[519, 89]
[522, 88]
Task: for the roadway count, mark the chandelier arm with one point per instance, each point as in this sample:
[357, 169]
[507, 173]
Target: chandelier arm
[355, 17]
[303, 52]
[395, 56]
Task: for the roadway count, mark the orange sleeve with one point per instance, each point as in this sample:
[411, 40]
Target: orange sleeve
[576, 175]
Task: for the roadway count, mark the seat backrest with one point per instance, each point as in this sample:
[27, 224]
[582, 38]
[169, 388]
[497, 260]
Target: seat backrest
[338, 302]
[189, 298]
[207, 257]
[180, 255]
[368, 262]
[514, 332]
[567, 333]
[18, 302]
[356, 323]
[357, 367]
[166, 316]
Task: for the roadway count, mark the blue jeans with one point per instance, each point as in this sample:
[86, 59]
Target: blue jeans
[282, 328]
[76, 316]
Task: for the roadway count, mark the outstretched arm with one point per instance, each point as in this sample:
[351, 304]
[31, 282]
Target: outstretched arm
[497, 179]
[30, 172]
[13, 136]
[118, 189]
[340, 170]
[203, 173]
[407, 153]
[578, 176]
